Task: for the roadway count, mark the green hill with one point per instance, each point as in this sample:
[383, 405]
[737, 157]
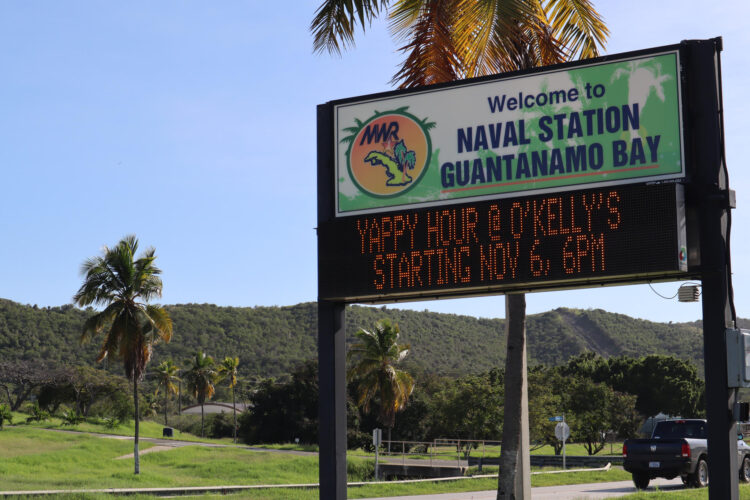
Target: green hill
[271, 341]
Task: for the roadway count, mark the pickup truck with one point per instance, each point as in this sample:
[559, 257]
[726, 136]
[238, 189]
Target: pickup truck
[676, 448]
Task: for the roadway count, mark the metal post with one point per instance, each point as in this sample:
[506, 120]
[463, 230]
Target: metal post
[332, 410]
[377, 448]
[564, 440]
[709, 192]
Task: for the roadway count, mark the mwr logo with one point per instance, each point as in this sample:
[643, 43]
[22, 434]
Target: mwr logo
[388, 153]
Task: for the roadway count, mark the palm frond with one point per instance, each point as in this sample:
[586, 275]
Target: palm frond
[431, 55]
[335, 21]
[159, 321]
[579, 27]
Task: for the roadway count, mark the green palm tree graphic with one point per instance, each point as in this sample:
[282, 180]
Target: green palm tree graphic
[395, 167]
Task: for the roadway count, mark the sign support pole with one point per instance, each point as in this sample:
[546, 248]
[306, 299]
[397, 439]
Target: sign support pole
[332, 409]
[712, 193]
[331, 341]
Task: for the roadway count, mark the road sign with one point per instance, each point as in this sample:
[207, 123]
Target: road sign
[377, 437]
[556, 419]
[562, 431]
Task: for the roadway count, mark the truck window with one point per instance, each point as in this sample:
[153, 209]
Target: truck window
[680, 429]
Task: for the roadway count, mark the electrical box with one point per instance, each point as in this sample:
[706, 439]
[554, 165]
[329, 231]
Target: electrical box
[738, 357]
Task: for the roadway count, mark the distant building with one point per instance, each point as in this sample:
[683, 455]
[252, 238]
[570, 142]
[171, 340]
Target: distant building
[213, 407]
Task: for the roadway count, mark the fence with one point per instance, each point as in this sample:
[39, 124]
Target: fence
[440, 451]
[476, 452]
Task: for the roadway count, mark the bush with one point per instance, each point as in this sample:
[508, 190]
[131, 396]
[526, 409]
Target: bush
[220, 425]
[5, 414]
[70, 417]
[36, 414]
[357, 439]
[111, 422]
[360, 470]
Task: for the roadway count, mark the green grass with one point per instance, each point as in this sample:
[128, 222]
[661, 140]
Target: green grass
[688, 494]
[32, 457]
[40, 459]
[290, 447]
[147, 428]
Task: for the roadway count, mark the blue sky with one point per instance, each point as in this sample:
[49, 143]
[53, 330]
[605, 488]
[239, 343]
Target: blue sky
[192, 125]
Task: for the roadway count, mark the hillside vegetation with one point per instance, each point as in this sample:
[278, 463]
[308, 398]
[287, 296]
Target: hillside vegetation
[271, 341]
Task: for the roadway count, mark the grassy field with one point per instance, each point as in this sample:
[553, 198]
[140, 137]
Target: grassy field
[688, 494]
[42, 459]
[34, 457]
[148, 428]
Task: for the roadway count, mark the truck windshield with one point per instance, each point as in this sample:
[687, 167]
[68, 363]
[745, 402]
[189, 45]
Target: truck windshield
[680, 429]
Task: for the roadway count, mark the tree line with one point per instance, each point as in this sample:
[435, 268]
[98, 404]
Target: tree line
[601, 398]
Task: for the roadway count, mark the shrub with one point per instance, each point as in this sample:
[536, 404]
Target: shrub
[5, 414]
[111, 422]
[357, 439]
[36, 414]
[220, 425]
[70, 417]
[360, 470]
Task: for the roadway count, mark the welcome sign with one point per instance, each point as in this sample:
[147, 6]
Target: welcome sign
[585, 126]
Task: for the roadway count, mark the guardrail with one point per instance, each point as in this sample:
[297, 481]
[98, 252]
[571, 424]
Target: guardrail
[476, 452]
[439, 451]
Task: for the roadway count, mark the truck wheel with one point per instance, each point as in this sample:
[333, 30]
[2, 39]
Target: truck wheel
[699, 478]
[640, 481]
[745, 470]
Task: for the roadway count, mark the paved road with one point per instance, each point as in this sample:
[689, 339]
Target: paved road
[571, 492]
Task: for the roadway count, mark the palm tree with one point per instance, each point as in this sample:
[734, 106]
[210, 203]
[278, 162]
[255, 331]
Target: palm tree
[166, 374]
[375, 357]
[448, 40]
[228, 371]
[200, 380]
[131, 327]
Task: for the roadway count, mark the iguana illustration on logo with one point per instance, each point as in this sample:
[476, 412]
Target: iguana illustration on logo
[395, 168]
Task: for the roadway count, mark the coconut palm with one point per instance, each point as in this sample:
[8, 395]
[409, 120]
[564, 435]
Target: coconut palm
[166, 375]
[124, 285]
[374, 358]
[200, 379]
[447, 40]
[228, 371]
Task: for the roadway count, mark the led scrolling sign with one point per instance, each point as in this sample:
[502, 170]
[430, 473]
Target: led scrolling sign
[580, 237]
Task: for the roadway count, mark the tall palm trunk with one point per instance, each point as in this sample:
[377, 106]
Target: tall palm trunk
[166, 402]
[234, 410]
[201, 419]
[513, 479]
[137, 429]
